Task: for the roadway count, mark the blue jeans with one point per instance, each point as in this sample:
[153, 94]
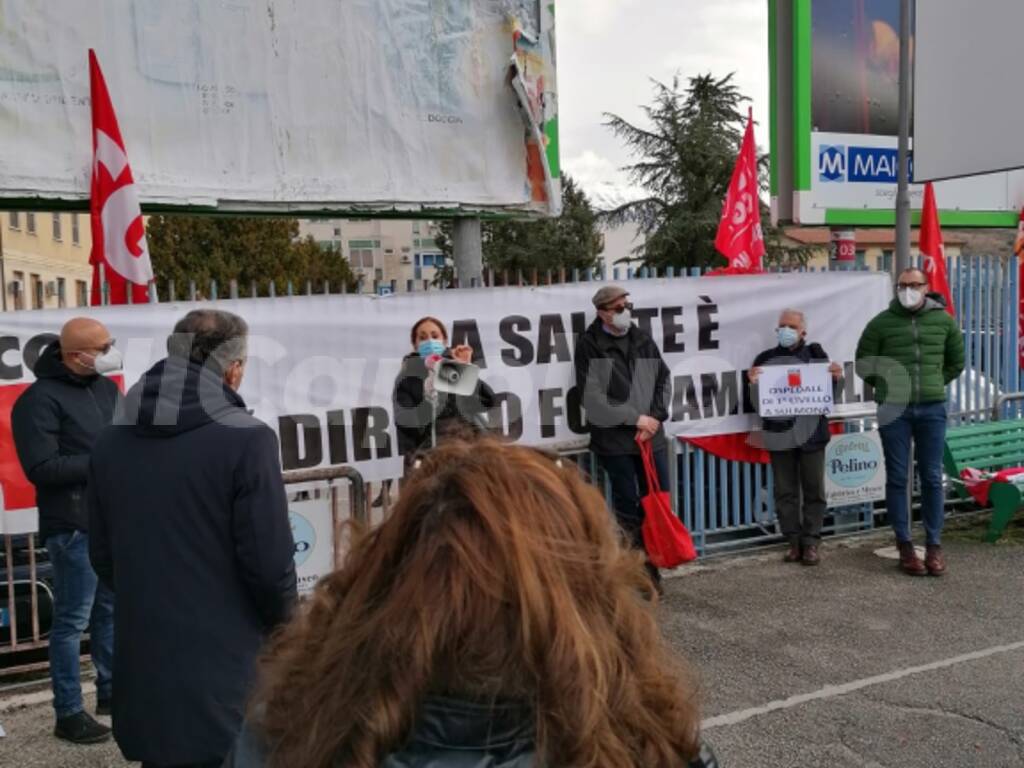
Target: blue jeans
[926, 423]
[80, 601]
[629, 486]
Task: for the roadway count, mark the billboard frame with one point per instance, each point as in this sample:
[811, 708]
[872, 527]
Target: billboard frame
[790, 23]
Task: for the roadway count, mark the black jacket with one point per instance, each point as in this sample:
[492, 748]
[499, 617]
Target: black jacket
[189, 527]
[414, 414]
[618, 388]
[806, 432]
[452, 733]
[55, 423]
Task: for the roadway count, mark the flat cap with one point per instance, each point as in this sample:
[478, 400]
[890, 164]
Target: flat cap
[608, 294]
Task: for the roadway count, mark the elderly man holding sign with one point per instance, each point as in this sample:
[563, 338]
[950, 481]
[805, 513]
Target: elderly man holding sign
[794, 386]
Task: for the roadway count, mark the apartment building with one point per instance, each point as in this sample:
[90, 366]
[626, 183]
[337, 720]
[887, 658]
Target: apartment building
[381, 250]
[44, 260]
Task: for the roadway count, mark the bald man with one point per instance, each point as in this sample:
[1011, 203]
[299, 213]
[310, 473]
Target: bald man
[55, 423]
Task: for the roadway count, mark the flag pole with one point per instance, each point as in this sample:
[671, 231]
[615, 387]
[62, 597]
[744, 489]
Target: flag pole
[902, 260]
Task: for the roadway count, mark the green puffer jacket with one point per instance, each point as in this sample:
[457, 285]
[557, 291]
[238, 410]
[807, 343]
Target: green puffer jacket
[910, 357]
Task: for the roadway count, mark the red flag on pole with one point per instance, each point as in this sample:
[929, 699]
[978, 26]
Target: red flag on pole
[740, 238]
[932, 250]
[119, 247]
[1018, 248]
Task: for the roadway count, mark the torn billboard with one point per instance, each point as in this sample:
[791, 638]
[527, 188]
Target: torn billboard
[289, 105]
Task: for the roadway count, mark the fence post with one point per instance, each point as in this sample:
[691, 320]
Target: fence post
[213, 290]
[154, 297]
[233, 288]
[172, 295]
[253, 290]
[272, 289]
[291, 288]
[309, 287]
[327, 287]
[104, 287]
[410, 286]
[191, 290]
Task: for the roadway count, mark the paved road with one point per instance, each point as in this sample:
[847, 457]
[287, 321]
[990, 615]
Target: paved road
[847, 665]
[761, 632]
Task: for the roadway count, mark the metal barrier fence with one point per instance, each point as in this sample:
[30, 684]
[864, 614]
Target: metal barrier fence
[26, 612]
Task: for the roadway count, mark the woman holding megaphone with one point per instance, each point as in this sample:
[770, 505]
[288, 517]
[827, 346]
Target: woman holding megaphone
[434, 398]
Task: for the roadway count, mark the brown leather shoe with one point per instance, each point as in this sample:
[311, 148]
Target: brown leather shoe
[934, 561]
[793, 555]
[910, 563]
[811, 556]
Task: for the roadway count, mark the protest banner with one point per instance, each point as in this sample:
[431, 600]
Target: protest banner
[321, 369]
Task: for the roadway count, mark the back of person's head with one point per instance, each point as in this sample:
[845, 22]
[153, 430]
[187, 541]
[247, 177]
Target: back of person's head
[499, 576]
[209, 337]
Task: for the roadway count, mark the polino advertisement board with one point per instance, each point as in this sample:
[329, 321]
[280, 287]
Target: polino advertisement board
[854, 469]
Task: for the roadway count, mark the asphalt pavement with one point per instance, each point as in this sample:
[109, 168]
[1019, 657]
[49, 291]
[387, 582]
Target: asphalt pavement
[849, 664]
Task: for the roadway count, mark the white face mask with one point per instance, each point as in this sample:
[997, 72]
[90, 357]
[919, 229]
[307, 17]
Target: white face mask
[108, 362]
[623, 320]
[910, 298]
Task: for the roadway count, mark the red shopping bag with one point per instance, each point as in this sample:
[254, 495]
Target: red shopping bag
[666, 539]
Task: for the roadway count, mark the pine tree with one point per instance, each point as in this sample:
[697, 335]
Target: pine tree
[685, 160]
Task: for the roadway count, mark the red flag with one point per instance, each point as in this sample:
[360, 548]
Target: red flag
[932, 249]
[740, 238]
[118, 234]
[1018, 248]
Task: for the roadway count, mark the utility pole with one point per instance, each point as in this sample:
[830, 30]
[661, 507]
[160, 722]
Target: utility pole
[902, 260]
[469, 252]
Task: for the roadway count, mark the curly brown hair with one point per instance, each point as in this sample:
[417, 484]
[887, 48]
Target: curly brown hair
[498, 576]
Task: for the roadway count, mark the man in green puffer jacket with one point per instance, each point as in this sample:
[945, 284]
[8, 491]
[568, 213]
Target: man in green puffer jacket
[908, 354]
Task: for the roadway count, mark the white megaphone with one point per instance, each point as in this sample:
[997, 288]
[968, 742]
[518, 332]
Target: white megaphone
[453, 377]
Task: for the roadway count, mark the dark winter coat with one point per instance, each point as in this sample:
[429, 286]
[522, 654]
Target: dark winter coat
[452, 733]
[807, 432]
[910, 357]
[619, 386]
[414, 415]
[189, 527]
[55, 423]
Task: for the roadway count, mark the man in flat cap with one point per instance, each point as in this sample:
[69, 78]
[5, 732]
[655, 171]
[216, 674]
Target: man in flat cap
[625, 387]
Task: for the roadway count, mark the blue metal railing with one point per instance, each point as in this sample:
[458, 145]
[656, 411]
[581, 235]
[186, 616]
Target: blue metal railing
[729, 505]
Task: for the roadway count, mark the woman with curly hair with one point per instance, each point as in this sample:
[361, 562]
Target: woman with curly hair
[494, 619]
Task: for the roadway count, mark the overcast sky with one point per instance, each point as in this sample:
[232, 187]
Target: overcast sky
[608, 50]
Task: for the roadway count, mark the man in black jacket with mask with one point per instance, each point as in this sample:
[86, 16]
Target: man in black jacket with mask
[797, 445]
[625, 388]
[55, 423]
[190, 529]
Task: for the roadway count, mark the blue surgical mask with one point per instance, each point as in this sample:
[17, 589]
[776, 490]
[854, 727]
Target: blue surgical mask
[787, 337]
[431, 347]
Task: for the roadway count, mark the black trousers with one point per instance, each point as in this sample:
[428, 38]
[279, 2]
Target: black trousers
[799, 473]
[629, 485]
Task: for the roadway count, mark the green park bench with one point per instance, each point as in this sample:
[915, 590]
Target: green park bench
[989, 446]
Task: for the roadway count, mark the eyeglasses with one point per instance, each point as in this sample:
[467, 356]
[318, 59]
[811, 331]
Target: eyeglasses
[901, 286]
[620, 309]
[102, 350]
